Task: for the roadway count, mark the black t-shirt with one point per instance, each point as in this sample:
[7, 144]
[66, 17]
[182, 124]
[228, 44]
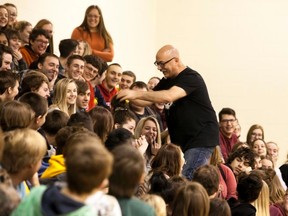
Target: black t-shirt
[191, 120]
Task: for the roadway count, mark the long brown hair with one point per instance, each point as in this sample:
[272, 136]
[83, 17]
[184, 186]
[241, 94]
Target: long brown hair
[101, 29]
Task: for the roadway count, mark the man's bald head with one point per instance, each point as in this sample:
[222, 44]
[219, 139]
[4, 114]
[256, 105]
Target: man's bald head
[167, 51]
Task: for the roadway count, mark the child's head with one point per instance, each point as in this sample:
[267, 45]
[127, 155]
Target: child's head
[249, 187]
[119, 136]
[23, 150]
[207, 176]
[102, 121]
[169, 160]
[128, 170]
[81, 119]
[88, 163]
[63, 135]
[125, 118]
[191, 198]
[15, 115]
[39, 105]
[259, 147]
[156, 202]
[219, 207]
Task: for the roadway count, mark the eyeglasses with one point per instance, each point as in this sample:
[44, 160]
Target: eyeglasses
[46, 43]
[162, 64]
[225, 121]
[93, 16]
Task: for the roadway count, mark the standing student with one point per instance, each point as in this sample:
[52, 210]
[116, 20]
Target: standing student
[93, 30]
[191, 119]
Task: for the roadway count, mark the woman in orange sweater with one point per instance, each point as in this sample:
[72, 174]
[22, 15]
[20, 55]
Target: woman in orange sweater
[94, 32]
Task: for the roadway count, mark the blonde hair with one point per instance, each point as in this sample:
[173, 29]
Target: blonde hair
[22, 148]
[60, 95]
[156, 202]
[140, 125]
[262, 202]
[86, 46]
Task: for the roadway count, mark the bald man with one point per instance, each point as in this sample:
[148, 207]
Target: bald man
[191, 119]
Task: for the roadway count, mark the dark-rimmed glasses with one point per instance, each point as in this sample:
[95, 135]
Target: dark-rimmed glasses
[162, 64]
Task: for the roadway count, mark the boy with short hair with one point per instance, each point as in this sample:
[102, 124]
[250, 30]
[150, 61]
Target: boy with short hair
[88, 166]
[128, 172]
[23, 151]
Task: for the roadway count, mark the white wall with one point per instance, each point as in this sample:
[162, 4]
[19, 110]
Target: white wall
[240, 47]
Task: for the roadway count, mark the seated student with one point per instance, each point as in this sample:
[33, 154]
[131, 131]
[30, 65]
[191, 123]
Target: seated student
[75, 67]
[119, 136]
[9, 84]
[15, 115]
[6, 57]
[67, 47]
[102, 121]
[227, 181]
[191, 199]
[88, 165]
[83, 95]
[207, 176]
[127, 79]
[55, 120]
[9, 198]
[128, 170]
[242, 160]
[38, 43]
[81, 119]
[124, 118]
[22, 155]
[56, 170]
[152, 82]
[259, 147]
[156, 202]
[35, 81]
[248, 189]
[39, 105]
[219, 207]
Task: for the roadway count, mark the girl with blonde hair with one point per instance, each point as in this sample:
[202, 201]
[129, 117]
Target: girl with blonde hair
[65, 95]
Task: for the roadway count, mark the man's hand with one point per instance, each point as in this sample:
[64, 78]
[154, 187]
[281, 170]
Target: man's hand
[127, 94]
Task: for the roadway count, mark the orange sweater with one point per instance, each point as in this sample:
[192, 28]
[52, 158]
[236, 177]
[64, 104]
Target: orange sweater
[28, 55]
[96, 42]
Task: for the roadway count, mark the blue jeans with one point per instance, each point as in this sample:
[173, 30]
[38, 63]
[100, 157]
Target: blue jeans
[194, 158]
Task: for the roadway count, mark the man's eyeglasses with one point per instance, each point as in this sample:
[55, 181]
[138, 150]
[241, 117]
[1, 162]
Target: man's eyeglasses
[225, 121]
[162, 64]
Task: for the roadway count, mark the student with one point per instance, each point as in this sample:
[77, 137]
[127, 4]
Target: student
[108, 87]
[22, 155]
[227, 137]
[39, 105]
[191, 199]
[128, 170]
[207, 176]
[13, 13]
[81, 119]
[65, 96]
[9, 84]
[38, 43]
[242, 160]
[248, 189]
[4, 17]
[24, 28]
[93, 30]
[83, 96]
[125, 118]
[47, 26]
[152, 82]
[255, 132]
[56, 169]
[127, 79]
[15, 115]
[102, 121]
[6, 58]
[149, 127]
[88, 165]
[156, 202]
[67, 47]
[119, 136]
[35, 81]
[219, 207]
[75, 67]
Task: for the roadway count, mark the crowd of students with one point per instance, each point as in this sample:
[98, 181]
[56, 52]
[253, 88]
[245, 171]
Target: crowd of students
[69, 147]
